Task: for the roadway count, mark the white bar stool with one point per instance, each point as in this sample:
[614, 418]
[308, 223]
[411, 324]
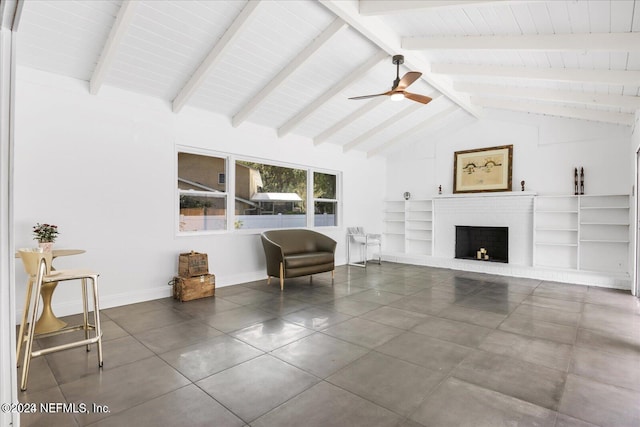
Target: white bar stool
[37, 265]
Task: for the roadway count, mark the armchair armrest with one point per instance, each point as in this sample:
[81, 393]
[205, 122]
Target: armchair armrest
[274, 255]
[325, 244]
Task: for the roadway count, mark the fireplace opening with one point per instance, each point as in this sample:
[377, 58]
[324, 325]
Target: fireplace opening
[482, 243]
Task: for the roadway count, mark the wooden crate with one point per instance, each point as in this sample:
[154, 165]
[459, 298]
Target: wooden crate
[189, 288]
[193, 264]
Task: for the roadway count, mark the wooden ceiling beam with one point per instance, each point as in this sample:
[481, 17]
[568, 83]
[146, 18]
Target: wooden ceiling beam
[382, 126]
[390, 7]
[328, 133]
[590, 42]
[556, 110]
[608, 77]
[110, 49]
[199, 76]
[244, 113]
[551, 95]
[428, 122]
[379, 33]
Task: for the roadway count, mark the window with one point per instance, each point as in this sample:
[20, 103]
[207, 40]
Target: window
[325, 202]
[269, 196]
[216, 191]
[203, 200]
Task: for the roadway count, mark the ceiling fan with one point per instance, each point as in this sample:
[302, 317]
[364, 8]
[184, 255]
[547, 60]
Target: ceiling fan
[398, 91]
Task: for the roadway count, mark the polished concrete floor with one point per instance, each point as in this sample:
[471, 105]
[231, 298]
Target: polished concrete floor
[392, 345]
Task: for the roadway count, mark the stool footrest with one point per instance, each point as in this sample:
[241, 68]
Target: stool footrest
[65, 346]
[64, 331]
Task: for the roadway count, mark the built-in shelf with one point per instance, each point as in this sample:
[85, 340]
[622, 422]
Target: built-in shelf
[593, 238]
[415, 219]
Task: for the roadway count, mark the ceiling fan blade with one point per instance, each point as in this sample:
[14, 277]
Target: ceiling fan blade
[407, 79]
[371, 96]
[419, 98]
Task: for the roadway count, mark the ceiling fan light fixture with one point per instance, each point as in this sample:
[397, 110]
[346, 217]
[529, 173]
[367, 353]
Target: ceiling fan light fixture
[397, 96]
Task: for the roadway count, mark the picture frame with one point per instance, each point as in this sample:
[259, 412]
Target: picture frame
[483, 169]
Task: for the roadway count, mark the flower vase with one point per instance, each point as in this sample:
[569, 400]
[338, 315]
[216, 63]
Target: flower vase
[47, 247]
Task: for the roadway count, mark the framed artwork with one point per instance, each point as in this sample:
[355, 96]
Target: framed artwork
[484, 169]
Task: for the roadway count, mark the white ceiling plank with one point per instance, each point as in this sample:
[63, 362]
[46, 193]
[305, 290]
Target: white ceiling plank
[621, 15]
[215, 55]
[436, 118]
[337, 25]
[388, 40]
[599, 16]
[616, 42]
[387, 7]
[335, 90]
[564, 96]
[324, 136]
[555, 110]
[379, 128]
[548, 74]
[118, 30]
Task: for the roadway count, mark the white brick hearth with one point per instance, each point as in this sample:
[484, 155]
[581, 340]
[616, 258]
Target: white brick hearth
[512, 210]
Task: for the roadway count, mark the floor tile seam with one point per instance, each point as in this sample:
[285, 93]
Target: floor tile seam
[600, 349]
[263, 353]
[618, 310]
[402, 416]
[484, 386]
[386, 324]
[197, 320]
[182, 345]
[119, 412]
[223, 405]
[134, 406]
[442, 381]
[248, 422]
[130, 332]
[599, 381]
[513, 313]
[105, 367]
[332, 373]
[572, 415]
[560, 298]
[547, 321]
[345, 341]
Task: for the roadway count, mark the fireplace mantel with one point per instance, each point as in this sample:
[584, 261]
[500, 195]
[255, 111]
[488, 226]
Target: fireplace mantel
[486, 194]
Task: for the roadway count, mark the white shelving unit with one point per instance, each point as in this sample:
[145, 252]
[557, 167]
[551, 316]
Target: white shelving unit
[393, 236]
[419, 227]
[586, 233]
[408, 228]
[556, 228]
[604, 233]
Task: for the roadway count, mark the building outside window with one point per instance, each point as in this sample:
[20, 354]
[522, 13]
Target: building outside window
[203, 200]
[276, 195]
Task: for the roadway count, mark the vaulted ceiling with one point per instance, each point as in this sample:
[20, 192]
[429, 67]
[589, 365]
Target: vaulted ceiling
[291, 65]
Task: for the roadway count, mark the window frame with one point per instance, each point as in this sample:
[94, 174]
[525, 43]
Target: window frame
[230, 193]
[214, 194]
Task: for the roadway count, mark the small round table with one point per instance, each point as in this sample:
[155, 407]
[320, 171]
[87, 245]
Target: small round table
[48, 322]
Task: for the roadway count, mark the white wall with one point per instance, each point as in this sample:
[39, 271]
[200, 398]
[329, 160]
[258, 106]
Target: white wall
[633, 256]
[103, 169]
[545, 152]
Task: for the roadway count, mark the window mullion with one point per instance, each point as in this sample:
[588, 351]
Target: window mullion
[231, 192]
[310, 202]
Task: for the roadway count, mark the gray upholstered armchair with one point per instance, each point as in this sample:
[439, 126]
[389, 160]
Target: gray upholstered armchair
[298, 252]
